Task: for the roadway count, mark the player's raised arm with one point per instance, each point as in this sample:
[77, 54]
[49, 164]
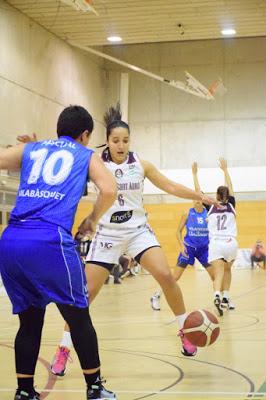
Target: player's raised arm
[228, 182]
[10, 158]
[194, 168]
[106, 184]
[171, 187]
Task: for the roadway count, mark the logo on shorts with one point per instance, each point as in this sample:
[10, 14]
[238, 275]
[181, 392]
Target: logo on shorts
[118, 173]
[86, 292]
[106, 245]
[120, 217]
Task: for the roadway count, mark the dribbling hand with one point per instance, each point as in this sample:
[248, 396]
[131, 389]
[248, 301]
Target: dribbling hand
[87, 227]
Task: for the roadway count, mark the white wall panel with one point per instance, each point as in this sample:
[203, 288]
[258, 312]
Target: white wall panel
[39, 75]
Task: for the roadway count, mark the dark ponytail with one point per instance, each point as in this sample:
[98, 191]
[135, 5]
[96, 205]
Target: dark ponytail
[223, 194]
[113, 119]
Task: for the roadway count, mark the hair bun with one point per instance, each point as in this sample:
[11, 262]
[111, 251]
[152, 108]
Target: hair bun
[113, 114]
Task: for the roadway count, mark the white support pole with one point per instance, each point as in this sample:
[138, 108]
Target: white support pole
[124, 92]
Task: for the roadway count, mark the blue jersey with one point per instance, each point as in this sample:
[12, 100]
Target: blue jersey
[197, 229]
[52, 181]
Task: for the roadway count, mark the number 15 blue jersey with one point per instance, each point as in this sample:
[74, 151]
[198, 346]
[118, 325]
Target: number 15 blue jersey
[52, 181]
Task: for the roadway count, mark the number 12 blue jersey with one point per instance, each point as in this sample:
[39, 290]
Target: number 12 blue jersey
[52, 181]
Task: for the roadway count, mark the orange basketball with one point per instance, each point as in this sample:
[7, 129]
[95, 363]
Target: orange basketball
[201, 328]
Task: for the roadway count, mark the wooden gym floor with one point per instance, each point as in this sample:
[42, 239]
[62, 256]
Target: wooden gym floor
[140, 351]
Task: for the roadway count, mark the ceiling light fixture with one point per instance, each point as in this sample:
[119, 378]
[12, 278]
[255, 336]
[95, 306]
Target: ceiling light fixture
[228, 32]
[114, 39]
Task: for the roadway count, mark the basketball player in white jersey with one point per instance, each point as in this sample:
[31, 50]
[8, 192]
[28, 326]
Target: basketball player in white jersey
[124, 227]
[223, 244]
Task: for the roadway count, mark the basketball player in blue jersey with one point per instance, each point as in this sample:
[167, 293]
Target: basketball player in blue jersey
[124, 227]
[42, 265]
[194, 246]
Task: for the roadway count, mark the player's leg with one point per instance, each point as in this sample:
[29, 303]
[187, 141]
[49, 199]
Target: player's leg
[154, 261]
[226, 301]
[86, 345]
[202, 254]
[182, 262]
[210, 270]
[252, 259]
[216, 259]
[218, 272]
[27, 346]
[230, 253]
[96, 275]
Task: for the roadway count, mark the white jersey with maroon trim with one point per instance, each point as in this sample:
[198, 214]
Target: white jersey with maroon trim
[127, 210]
[222, 222]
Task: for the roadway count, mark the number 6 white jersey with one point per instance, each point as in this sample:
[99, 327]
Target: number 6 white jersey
[222, 222]
[127, 211]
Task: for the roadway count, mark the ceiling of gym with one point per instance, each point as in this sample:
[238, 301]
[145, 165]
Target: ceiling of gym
[147, 21]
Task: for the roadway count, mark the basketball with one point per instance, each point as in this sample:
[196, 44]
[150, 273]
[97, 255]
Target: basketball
[201, 328]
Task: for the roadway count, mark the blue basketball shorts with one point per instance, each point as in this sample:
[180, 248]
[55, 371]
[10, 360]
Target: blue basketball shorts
[200, 253]
[39, 264]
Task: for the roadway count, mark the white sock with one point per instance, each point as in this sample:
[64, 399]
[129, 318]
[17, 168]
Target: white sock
[217, 293]
[66, 340]
[181, 319]
[226, 294]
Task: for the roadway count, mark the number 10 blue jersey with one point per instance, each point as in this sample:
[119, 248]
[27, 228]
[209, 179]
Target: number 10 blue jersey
[52, 181]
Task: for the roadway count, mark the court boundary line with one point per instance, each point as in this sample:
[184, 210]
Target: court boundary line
[245, 394]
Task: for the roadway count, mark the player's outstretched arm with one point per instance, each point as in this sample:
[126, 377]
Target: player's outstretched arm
[194, 169]
[227, 179]
[107, 187]
[10, 158]
[171, 187]
[27, 138]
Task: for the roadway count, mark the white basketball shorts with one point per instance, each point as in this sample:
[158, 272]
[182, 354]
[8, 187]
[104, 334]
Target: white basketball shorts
[225, 248]
[109, 244]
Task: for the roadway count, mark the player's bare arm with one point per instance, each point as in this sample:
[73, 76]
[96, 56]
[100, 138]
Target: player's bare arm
[171, 187]
[228, 182]
[27, 138]
[106, 184]
[179, 231]
[10, 158]
[194, 168]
